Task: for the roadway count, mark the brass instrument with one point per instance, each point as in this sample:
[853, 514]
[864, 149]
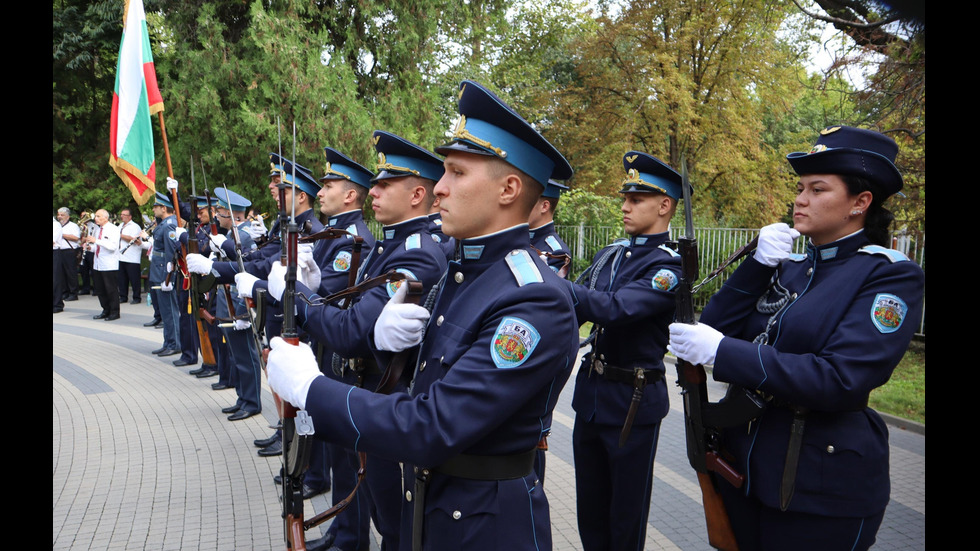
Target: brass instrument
[82, 234]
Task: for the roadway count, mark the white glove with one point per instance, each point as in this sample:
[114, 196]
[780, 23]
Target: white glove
[775, 244]
[241, 325]
[277, 280]
[170, 267]
[307, 269]
[199, 264]
[166, 287]
[291, 370]
[180, 231]
[400, 325]
[217, 241]
[244, 281]
[256, 228]
[171, 184]
[697, 343]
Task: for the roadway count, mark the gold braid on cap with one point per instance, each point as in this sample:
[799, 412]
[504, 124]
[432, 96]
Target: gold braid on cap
[633, 177]
[334, 172]
[383, 164]
[461, 133]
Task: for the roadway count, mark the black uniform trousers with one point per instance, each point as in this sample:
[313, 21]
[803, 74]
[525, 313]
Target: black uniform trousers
[105, 282]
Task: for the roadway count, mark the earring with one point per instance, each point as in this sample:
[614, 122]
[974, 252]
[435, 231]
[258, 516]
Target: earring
[856, 212]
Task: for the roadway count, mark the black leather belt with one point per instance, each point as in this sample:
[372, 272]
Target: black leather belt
[623, 375]
[474, 467]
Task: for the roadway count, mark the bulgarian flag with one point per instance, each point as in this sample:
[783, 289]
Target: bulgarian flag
[134, 100]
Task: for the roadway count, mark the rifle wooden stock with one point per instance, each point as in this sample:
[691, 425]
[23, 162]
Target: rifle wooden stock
[693, 382]
[720, 534]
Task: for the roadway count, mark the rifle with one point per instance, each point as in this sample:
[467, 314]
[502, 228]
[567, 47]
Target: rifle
[297, 426]
[193, 299]
[221, 253]
[702, 442]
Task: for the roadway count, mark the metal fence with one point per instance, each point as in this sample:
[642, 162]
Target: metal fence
[715, 245]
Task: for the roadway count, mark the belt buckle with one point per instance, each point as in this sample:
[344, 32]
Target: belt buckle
[597, 366]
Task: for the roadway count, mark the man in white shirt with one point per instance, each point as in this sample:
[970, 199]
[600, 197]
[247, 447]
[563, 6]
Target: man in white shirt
[57, 279]
[106, 265]
[67, 256]
[129, 256]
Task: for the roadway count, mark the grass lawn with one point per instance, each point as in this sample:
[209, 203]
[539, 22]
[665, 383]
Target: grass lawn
[904, 395]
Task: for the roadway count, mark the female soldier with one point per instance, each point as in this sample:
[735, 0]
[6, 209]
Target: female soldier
[813, 335]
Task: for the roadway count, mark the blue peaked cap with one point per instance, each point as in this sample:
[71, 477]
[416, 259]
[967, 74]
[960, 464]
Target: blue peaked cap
[231, 200]
[162, 199]
[304, 179]
[399, 157]
[852, 151]
[508, 136]
[200, 201]
[342, 167]
[646, 173]
[554, 189]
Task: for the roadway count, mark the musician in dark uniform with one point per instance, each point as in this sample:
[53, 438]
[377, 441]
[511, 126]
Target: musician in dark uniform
[620, 392]
[496, 352]
[402, 195]
[812, 335]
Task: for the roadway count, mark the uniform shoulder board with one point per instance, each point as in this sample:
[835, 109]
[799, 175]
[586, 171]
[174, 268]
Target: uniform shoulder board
[669, 250]
[352, 230]
[413, 241]
[552, 242]
[891, 254]
[522, 266]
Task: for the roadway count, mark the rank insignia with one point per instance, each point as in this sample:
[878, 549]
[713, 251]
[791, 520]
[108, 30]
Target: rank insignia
[664, 280]
[513, 342]
[393, 286]
[888, 312]
[341, 263]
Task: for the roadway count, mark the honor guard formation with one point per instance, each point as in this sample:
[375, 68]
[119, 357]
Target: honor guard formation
[416, 371]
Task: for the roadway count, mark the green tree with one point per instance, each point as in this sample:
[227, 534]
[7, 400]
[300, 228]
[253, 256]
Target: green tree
[681, 79]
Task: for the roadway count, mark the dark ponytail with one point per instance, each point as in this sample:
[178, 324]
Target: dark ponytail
[878, 218]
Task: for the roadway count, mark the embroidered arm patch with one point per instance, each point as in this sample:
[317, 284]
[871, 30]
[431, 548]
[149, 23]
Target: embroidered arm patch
[888, 312]
[513, 342]
[664, 280]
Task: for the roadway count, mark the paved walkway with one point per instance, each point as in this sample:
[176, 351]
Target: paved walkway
[144, 460]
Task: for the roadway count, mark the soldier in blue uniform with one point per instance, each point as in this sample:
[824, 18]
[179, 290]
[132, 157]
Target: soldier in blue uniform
[495, 354]
[402, 193]
[343, 191]
[544, 237]
[236, 325]
[260, 261]
[162, 256]
[813, 334]
[553, 250]
[202, 231]
[448, 244]
[628, 295]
